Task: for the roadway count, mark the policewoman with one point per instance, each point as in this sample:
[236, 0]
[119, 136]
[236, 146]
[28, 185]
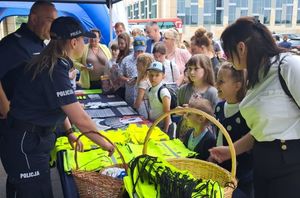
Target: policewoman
[42, 99]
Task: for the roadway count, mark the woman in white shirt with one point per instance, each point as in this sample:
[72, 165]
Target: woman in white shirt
[272, 115]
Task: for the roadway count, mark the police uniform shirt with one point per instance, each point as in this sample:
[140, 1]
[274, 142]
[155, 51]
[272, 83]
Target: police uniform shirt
[18, 47]
[39, 101]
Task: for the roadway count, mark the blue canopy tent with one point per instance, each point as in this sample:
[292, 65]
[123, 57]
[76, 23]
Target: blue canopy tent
[92, 13]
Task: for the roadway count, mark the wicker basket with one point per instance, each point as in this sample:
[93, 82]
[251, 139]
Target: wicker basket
[92, 184]
[199, 168]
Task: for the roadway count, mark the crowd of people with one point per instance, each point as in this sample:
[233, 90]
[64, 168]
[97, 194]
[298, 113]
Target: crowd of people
[241, 88]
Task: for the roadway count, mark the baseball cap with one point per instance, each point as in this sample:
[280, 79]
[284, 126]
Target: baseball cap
[157, 66]
[68, 28]
[139, 43]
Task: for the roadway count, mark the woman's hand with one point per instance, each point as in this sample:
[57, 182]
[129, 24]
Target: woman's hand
[108, 147]
[220, 153]
[72, 140]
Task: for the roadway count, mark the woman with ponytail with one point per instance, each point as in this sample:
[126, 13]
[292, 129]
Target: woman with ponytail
[42, 101]
[270, 108]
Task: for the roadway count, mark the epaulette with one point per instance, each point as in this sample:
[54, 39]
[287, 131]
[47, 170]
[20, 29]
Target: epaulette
[18, 35]
[65, 62]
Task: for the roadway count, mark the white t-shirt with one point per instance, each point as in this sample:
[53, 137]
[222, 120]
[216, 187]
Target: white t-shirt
[168, 72]
[268, 111]
[156, 107]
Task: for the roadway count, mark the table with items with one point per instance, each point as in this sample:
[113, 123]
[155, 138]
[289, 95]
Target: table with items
[125, 128]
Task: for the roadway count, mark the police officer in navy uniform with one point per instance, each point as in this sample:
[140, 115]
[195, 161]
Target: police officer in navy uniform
[21, 45]
[42, 99]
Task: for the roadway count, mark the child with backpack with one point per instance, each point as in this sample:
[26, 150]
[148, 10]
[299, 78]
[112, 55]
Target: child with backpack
[156, 74]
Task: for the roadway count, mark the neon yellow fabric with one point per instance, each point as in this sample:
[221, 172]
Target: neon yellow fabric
[146, 190]
[96, 159]
[92, 160]
[169, 149]
[117, 136]
[138, 133]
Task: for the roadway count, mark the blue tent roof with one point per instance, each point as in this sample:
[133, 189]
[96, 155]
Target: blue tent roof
[90, 15]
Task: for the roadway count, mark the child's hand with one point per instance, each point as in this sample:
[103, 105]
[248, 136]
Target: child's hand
[220, 153]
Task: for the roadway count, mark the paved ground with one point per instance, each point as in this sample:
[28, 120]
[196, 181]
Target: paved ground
[57, 190]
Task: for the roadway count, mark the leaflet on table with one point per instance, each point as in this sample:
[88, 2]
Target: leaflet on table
[129, 120]
[96, 105]
[100, 127]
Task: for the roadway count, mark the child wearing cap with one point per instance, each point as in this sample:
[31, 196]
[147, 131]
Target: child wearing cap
[156, 74]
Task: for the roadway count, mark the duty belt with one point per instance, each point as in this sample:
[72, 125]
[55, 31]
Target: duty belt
[29, 127]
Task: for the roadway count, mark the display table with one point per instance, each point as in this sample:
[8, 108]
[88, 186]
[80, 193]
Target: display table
[123, 127]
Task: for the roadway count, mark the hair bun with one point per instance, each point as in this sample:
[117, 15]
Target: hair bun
[200, 32]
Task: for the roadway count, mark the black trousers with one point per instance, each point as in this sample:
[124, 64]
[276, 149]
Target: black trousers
[25, 158]
[277, 169]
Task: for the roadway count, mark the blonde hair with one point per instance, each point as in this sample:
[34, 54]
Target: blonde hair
[144, 60]
[48, 58]
[174, 34]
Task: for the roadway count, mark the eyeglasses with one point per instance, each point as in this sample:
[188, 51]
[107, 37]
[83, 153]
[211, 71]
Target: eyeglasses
[166, 38]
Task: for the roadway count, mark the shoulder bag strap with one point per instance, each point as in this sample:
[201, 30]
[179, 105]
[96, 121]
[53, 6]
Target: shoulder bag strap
[283, 84]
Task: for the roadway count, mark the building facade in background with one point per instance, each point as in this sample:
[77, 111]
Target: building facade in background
[281, 16]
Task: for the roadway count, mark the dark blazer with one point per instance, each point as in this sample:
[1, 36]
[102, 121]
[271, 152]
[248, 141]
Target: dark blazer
[207, 142]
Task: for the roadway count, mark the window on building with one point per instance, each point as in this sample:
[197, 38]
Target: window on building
[219, 16]
[267, 3]
[194, 14]
[153, 6]
[136, 10]
[267, 14]
[231, 13]
[278, 16]
[142, 9]
[242, 3]
[289, 13]
[220, 3]
[146, 8]
[298, 16]
[181, 10]
[187, 15]
[209, 11]
[180, 6]
[129, 13]
[257, 7]
[244, 12]
[298, 12]
[278, 3]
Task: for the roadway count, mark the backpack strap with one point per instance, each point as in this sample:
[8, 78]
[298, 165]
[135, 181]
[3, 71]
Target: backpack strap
[283, 84]
[172, 71]
[159, 90]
